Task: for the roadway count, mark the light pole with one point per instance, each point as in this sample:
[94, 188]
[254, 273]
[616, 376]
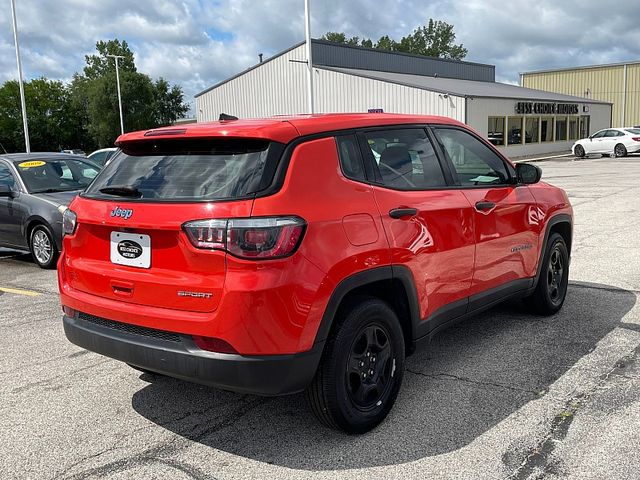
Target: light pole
[307, 31]
[22, 102]
[116, 57]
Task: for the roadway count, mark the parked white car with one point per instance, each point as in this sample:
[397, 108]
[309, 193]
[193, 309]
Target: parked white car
[617, 142]
[102, 156]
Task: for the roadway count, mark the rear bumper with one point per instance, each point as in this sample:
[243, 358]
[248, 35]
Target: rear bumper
[634, 148]
[177, 356]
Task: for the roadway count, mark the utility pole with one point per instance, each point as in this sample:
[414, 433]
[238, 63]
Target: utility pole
[116, 57]
[307, 31]
[20, 83]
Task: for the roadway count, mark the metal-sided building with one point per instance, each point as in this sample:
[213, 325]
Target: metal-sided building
[616, 83]
[521, 121]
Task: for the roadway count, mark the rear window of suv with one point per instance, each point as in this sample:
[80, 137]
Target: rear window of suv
[188, 170]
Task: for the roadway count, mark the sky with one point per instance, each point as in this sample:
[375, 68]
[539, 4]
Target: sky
[197, 43]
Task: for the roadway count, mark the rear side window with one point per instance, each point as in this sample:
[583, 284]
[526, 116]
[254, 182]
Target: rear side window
[350, 157]
[405, 159]
[6, 177]
[474, 162]
[188, 170]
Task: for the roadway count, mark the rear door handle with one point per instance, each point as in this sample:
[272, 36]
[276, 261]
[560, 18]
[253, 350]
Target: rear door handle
[403, 212]
[484, 205]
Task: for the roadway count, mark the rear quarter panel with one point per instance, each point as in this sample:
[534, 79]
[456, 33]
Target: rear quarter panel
[344, 234]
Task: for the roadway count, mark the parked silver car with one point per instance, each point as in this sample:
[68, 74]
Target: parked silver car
[35, 190]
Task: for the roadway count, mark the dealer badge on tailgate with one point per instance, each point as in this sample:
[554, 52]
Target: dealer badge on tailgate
[132, 249]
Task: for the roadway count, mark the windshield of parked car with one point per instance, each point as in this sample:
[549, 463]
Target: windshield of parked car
[633, 131]
[55, 175]
[186, 170]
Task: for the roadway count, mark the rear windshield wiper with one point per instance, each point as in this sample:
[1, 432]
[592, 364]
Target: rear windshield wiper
[122, 191]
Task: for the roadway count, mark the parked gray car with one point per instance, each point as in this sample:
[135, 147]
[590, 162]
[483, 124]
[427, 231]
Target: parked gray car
[35, 190]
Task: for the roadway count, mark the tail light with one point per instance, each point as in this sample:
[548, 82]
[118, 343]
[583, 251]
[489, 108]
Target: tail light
[250, 238]
[635, 139]
[69, 220]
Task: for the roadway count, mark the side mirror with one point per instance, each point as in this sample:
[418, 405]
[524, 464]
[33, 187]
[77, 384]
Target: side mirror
[528, 174]
[5, 191]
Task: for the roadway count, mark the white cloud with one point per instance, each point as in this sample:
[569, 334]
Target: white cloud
[198, 42]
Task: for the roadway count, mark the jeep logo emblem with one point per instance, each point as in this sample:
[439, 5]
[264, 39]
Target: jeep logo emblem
[129, 249]
[122, 213]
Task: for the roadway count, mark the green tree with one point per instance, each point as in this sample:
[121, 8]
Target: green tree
[436, 39]
[168, 103]
[145, 103]
[10, 118]
[100, 64]
[337, 37]
[84, 114]
[52, 123]
[386, 43]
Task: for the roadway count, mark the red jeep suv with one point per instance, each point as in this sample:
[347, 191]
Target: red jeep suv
[306, 253]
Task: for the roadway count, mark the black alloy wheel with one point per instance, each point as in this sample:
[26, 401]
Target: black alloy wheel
[551, 289]
[555, 275]
[370, 367]
[362, 366]
[579, 151]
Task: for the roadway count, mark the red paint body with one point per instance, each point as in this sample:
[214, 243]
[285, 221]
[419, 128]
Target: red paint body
[267, 307]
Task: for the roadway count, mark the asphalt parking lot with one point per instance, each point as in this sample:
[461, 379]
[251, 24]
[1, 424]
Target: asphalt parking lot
[503, 395]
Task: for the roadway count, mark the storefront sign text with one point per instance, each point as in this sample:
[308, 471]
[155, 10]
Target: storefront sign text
[525, 108]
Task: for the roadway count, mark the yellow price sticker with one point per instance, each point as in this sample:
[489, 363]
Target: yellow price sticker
[32, 164]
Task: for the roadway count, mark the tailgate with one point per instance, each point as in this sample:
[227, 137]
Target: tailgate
[137, 253]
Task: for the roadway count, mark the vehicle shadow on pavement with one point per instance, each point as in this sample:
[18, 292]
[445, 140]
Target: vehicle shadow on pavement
[468, 379]
[16, 255]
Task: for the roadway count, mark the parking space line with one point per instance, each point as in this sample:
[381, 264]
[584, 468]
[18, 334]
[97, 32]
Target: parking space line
[17, 291]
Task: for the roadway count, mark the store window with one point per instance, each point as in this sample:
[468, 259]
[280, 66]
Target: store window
[573, 128]
[584, 126]
[532, 129]
[514, 131]
[546, 129]
[495, 130]
[561, 129]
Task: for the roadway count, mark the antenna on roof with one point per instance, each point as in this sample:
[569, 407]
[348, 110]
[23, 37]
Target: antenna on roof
[224, 116]
[5, 150]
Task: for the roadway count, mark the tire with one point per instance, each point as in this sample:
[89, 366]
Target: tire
[43, 247]
[361, 369]
[579, 151]
[551, 289]
[619, 151]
